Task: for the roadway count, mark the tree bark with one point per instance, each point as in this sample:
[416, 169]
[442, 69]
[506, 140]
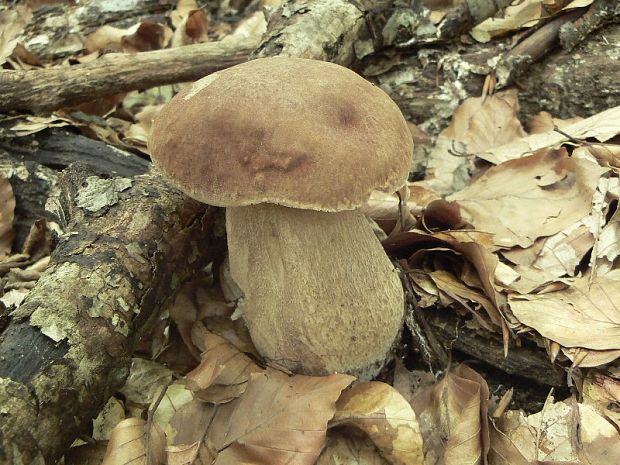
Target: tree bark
[68, 346]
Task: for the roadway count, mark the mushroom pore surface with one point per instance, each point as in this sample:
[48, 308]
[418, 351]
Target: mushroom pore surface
[321, 296]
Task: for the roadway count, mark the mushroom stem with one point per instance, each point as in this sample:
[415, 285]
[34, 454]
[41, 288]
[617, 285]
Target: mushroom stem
[320, 295]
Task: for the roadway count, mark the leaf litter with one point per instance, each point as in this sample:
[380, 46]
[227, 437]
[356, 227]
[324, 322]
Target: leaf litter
[527, 247]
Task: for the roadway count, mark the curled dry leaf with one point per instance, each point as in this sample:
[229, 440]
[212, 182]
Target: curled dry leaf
[193, 29]
[278, 420]
[145, 378]
[33, 124]
[535, 196]
[386, 417]
[477, 271]
[562, 316]
[7, 209]
[223, 372]
[478, 124]
[522, 14]
[12, 23]
[131, 444]
[563, 432]
[348, 449]
[453, 418]
[141, 37]
[602, 127]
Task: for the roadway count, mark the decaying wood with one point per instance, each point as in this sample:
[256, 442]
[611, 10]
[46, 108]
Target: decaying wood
[429, 84]
[131, 242]
[532, 48]
[47, 89]
[526, 361]
[320, 29]
[32, 163]
[599, 13]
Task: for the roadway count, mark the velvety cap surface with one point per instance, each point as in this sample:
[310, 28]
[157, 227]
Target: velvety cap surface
[289, 131]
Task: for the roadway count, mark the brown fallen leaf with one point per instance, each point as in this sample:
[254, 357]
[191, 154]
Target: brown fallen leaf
[386, 417]
[348, 449]
[131, 444]
[478, 125]
[193, 29]
[562, 316]
[223, 372]
[7, 210]
[278, 420]
[544, 122]
[535, 196]
[12, 23]
[140, 37]
[602, 127]
[453, 416]
[563, 432]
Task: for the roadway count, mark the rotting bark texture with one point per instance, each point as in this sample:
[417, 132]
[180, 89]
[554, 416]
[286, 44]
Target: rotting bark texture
[31, 163]
[525, 361]
[319, 29]
[68, 346]
[429, 83]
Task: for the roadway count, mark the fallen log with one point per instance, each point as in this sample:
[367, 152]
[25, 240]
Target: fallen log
[130, 244]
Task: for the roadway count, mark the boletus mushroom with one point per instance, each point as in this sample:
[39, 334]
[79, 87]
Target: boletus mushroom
[292, 147]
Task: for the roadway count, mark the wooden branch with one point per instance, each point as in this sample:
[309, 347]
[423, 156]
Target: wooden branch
[599, 13]
[41, 90]
[68, 346]
[530, 50]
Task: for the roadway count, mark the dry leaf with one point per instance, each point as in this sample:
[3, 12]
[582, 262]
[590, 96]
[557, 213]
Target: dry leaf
[522, 14]
[7, 210]
[602, 392]
[386, 417]
[544, 122]
[278, 420]
[478, 124]
[563, 432]
[223, 372]
[128, 444]
[176, 396]
[12, 23]
[110, 415]
[602, 127]
[33, 124]
[145, 378]
[562, 316]
[140, 37]
[522, 200]
[453, 418]
[193, 29]
[348, 449]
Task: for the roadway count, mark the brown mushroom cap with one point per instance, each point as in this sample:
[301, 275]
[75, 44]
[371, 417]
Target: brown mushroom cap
[289, 131]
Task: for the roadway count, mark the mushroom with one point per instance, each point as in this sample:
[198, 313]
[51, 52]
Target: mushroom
[292, 147]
